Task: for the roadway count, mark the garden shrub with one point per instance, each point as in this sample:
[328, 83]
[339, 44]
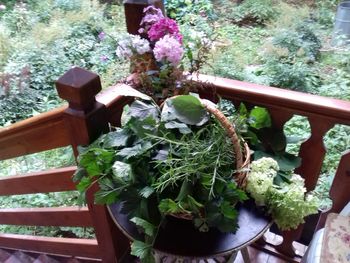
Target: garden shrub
[181, 9]
[252, 12]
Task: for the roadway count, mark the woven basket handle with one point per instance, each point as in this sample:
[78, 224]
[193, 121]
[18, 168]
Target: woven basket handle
[230, 132]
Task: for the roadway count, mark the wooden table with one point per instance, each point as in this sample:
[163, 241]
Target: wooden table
[179, 239]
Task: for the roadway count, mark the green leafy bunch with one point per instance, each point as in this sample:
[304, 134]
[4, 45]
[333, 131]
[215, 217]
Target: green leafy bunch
[266, 140]
[176, 160]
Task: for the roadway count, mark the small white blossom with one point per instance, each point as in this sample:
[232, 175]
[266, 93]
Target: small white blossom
[132, 45]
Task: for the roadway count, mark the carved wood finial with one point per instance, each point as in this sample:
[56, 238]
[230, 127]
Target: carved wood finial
[79, 87]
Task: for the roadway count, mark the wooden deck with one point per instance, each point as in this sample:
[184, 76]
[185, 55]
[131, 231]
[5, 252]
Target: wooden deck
[13, 256]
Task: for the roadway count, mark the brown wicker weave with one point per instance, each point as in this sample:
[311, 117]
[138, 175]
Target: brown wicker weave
[241, 165]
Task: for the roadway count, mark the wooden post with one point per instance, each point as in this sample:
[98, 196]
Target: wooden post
[86, 119]
[134, 13]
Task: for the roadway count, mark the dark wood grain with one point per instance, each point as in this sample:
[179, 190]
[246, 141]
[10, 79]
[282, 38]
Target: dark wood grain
[43, 132]
[47, 216]
[55, 180]
[52, 245]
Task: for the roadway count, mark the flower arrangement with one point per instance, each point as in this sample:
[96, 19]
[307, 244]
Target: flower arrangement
[158, 56]
[176, 160]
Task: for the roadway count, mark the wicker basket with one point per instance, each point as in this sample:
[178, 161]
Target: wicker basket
[242, 157]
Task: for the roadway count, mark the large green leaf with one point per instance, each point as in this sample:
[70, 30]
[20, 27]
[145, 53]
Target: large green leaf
[188, 109]
[286, 162]
[126, 90]
[259, 118]
[117, 138]
[142, 110]
[144, 127]
[136, 150]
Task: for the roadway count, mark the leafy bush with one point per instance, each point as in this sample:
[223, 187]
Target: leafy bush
[18, 105]
[299, 42]
[181, 9]
[252, 12]
[285, 75]
[48, 38]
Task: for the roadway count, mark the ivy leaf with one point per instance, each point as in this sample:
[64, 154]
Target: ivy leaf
[286, 162]
[141, 110]
[148, 228]
[116, 139]
[141, 249]
[188, 109]
[259, 118]
[273, 139]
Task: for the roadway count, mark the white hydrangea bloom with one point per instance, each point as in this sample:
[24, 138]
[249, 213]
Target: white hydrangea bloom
[260, 178]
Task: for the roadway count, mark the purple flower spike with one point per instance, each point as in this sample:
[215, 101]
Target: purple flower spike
[102, 35]
[103, 58]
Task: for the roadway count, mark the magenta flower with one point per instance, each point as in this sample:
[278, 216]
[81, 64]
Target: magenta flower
[168, 49]
[165, 26]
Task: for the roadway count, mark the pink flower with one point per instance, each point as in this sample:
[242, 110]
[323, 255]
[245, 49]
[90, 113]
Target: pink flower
[165, 26]
[168, 49]
[152, 15]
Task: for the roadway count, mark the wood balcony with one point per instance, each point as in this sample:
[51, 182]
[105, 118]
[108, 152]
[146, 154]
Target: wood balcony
[87, 116]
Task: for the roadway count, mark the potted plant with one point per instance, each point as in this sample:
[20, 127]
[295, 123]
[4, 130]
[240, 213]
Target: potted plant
[181, 156]
[181, 159]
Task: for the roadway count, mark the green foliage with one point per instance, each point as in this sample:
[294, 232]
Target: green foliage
[289, 57]
[251, 12]
[47, 38]
[185, 10]
[175, 161]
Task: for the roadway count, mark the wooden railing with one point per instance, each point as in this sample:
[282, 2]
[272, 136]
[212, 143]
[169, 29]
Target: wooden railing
[86, 117]
[78, 124]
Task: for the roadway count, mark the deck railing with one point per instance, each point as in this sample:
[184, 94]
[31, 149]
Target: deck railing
[88, 116]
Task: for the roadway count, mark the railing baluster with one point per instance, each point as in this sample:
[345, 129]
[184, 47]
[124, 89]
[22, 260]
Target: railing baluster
[313, 151]
[339, 192]
[86, 120]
